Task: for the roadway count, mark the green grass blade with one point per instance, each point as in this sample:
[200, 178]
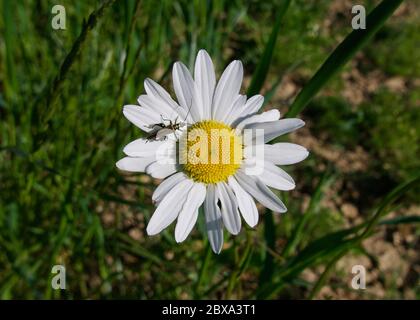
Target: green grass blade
[316, 198]
[343, 53]
[324, 276]
[203, 270]
[9, 34]
[335, 244]
[270, 239]
[400, 220]
[264, 64]
[384, 206]
[53, 91]
[270, 93]
[240, 267]
[382, 209]
[134, 247]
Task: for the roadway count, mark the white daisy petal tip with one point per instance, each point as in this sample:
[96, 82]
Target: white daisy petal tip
[130, 164]
[299, 123]
[169, 208]
[227, 89]
[203, 51]
[281, 211]
[128, 110]
[246, 204]
[276, 114]
[189, 213]
[151, 232]
[229, 208]
[119, 165]
[253, 225]
[148, 82]
[203, 55]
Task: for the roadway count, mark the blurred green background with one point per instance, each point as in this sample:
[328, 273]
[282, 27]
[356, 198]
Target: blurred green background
[62, 200]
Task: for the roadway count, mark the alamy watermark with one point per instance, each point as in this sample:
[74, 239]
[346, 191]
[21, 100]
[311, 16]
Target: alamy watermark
[59, 280]
[59, 19]
[359, 20]
[359, 280]
[218, 146]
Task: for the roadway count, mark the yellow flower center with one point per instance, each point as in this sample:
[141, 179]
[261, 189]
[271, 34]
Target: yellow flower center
[210, 151]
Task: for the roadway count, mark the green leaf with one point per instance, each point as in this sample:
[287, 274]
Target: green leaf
[269, 94]
[134, 247]
[53, 91]
[316, 198]
[202, 276]
[240, 266]
[343, 53]
[399, 220]
[384, 206]
[9, 35]
[270, 240]
[334, 245]
[262, 68]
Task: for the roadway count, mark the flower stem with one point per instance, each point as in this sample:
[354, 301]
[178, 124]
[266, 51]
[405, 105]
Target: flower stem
[239, 267]
[203, 270]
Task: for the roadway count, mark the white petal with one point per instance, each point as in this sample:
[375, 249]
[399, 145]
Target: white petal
[161, 109]
[250, 108]
[205, 80]
[253, 104]
[143, 148]
[160, 171]
[267, 116]
[166, 186]
[245, 202]
[185, 91]
[284, 153]
[156, 91]
[169, 208]
[276, 177]
[141, 117]
[160, 96]
[134, 164]
[227, 89]
[277, 128]
[229, 208]
[235, 109]
[213, 219]
[260, 192]
[189, 213]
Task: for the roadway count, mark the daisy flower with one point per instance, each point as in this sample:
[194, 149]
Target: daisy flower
[242, 168]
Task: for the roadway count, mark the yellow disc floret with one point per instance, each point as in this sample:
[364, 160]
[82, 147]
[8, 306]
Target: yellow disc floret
[210, 151]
